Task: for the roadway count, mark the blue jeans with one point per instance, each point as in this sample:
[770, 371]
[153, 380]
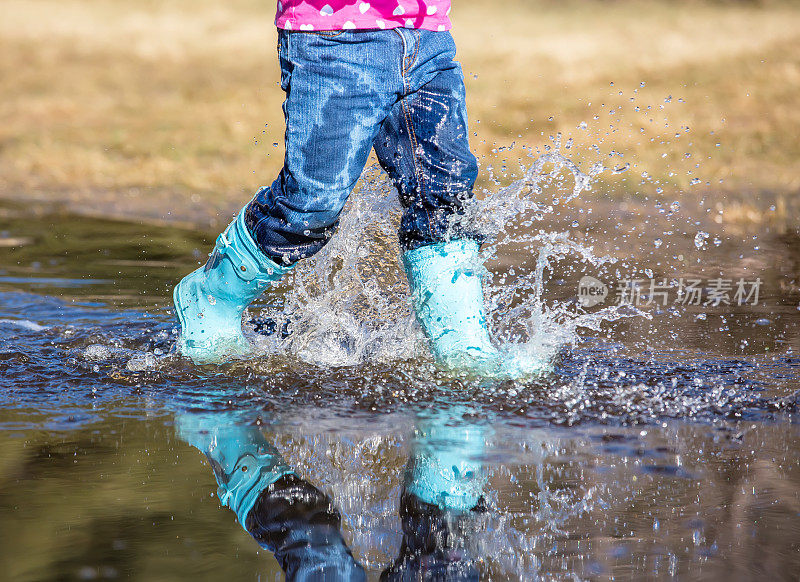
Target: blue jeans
[399, 91]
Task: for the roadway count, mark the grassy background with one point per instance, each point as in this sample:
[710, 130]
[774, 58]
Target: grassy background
[171, 109]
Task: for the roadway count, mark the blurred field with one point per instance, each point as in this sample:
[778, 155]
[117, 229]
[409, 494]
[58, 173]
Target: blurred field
[172, 110]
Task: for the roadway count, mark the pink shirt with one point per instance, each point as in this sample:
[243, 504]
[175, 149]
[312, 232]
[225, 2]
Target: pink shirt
[354, 14]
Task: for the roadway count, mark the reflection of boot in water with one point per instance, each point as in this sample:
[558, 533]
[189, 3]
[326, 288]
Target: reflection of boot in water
[285, 514]
[442, 500]
[434, 544]
[244, 462]
[300, 525]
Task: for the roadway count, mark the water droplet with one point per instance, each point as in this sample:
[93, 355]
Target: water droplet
[700, 239]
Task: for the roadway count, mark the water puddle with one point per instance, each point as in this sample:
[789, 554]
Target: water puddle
[663, 443]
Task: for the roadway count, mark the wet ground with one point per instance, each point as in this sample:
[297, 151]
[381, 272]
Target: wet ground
[663, 443]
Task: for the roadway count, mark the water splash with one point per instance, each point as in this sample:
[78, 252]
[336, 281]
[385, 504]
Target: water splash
[349, 303]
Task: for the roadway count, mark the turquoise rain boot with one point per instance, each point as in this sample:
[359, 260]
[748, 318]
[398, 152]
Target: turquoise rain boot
[447, 295]
[211, 300]
[445, 468]
[244, 463]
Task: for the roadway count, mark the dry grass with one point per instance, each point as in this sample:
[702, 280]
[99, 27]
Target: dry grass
[145, 107]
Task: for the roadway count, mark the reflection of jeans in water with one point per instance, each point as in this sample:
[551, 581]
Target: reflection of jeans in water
[300, 525]
[435, 544]
[287, 515]
[399, 91]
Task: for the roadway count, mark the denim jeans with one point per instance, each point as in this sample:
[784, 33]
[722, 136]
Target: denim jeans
[399, 91]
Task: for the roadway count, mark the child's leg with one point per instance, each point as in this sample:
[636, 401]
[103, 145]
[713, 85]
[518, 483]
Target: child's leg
[434, 173]
[339, 87]
[424, 145]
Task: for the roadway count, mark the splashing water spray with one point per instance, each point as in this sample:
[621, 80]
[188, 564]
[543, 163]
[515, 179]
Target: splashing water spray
[349, 304]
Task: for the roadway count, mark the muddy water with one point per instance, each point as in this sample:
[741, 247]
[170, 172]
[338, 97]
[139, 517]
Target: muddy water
[662, 445]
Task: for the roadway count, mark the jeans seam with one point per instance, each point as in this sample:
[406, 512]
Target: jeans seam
[409, 125]
[322, 33]
[413, 57]
[414, 143]
[402, 57]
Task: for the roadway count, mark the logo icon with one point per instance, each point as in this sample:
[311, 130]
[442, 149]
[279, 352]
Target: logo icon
[591, 291]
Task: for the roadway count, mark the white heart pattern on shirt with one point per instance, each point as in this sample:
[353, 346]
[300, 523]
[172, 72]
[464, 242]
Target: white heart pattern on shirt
[326, 10]
[306, 27]
[363, 7]
[399, 11]
[432, 10]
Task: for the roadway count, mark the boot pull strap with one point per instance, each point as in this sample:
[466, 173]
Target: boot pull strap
[246, 267]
